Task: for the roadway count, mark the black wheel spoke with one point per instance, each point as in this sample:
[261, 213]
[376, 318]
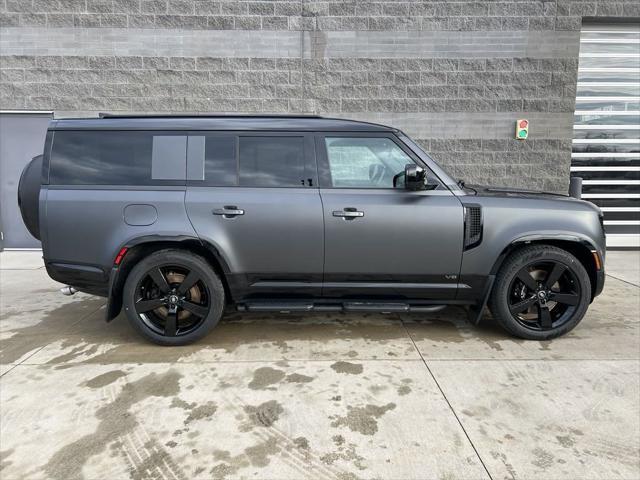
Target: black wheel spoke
[525, 277]
[172, 299]
[159, 279]
[523, 305]
[143, 306]
[566, 298]
[554, 275]
[198, 310]
[544, 294]
[190, 280]
[544, 316]
[171, 324]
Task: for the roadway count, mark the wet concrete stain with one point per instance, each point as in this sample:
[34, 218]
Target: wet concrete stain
[347, 453]
[222, 471]
[543, 459]
[363, 419]
[201, 412]
[4, 463]
[298, 378]
[405, 389]
[567, 441]
[115, 422]
[265, 414]
[265, 377]
[52, 327]
[452, 327]
[375, 389]
[301, 442]
[347, 367]
[158, 464]
[105, 379]
[259, 454]
[179, 403]
[347, 476]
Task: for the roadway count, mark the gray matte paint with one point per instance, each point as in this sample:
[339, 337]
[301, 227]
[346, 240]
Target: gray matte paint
[403, 236]
[280, 232]
[86, 225]
[287, 241]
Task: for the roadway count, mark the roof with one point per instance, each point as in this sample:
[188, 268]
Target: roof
[217, 122]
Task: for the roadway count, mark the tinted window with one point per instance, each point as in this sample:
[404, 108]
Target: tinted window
[361, 162]
[272, 161]
[220, 166]
[117, 158]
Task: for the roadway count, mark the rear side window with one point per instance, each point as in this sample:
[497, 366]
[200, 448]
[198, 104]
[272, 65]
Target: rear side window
[271, 161]
[118, 158]
[248, 161]
[220, 161]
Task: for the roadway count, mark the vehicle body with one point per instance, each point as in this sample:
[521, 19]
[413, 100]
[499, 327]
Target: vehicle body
[291, 214]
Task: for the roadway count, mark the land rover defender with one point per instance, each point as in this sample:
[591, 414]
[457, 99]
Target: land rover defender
[176, 218]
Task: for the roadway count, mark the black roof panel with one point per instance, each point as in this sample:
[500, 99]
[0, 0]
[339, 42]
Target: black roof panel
[217, 122]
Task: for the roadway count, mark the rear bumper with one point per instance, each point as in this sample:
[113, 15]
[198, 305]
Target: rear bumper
[86, 278]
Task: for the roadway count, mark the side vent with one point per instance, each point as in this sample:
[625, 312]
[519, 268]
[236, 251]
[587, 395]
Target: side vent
[472, 226]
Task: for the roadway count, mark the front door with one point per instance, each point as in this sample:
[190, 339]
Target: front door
[383, 241]
[254, 197]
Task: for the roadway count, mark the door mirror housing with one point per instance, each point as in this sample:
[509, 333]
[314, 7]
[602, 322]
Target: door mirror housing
[414, 177]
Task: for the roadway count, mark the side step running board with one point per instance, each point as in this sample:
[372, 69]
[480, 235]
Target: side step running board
[383, 307]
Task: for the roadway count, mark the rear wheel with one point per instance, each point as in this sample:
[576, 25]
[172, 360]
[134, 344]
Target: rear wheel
[541, 292]
[173, 297]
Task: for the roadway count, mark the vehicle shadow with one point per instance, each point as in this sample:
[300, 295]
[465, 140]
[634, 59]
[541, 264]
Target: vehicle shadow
[80, 334]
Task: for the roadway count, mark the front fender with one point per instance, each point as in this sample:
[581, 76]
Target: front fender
[516, 221]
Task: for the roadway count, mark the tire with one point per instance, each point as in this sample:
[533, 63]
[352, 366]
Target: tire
[541, 292]
[164, 306]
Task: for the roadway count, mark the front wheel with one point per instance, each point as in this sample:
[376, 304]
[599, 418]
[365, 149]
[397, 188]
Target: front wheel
[173, 297]
[541, 292]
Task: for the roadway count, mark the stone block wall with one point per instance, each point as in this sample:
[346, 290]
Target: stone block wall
[455, 75]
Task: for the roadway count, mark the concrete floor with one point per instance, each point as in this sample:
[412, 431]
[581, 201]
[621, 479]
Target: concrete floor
[319, 397]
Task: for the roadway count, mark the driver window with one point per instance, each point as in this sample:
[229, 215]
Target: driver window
[361, 162]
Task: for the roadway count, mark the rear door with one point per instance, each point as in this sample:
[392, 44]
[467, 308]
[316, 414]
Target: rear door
[254, 197]
[381, 241]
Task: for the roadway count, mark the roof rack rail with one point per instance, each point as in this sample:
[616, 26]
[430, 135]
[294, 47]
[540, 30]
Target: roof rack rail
[203, 115]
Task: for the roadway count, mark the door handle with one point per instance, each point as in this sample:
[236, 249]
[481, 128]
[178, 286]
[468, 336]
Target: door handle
[229, 211]
[348, 213]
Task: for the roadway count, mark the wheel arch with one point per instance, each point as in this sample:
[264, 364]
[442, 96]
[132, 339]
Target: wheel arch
[141, 247]
[579, 247]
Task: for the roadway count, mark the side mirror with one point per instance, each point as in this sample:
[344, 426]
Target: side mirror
[414, 177]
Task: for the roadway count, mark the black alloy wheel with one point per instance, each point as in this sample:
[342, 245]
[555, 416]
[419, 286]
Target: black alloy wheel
[173, 297]
[540, 292]
[171, 300]
[544, 295]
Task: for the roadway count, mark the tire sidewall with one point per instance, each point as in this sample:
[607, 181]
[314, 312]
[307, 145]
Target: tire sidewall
[499, 299]
[190, 261]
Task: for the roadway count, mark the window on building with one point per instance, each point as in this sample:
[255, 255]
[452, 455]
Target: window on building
[606, 134]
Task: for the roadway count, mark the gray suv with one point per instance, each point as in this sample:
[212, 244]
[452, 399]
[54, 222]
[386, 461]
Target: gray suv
[177, 218]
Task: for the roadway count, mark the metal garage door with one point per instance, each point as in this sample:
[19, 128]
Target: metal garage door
[21, 139]
[606, 136]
